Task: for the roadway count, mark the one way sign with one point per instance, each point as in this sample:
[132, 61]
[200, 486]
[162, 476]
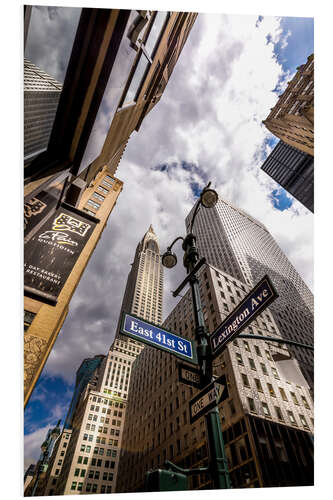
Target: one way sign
[208, 398]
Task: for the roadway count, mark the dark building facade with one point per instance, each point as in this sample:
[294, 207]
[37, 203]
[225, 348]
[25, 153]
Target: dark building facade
[83, 376]
[294, 171]
[41, 97]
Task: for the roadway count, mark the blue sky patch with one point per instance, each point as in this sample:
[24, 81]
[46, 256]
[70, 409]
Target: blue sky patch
[280, 199]
[48, 403]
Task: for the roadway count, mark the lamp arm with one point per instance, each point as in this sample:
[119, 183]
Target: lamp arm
[174, 241]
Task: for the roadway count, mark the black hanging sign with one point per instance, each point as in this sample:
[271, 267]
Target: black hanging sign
[36, 209]
[50, 255]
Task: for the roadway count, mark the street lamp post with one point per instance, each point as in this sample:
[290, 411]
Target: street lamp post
[218, 462]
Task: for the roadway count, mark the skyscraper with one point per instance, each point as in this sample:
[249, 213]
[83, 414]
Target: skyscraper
[144, 289]
[292, 117]
[249, 244]
[41, 97]
[293, 170]
[97, 412]
[267, 418]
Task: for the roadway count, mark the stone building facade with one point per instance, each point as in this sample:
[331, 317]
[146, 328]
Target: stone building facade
[292, 117]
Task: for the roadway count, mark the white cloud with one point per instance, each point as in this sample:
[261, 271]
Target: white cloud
[32, 444]
[210, 114]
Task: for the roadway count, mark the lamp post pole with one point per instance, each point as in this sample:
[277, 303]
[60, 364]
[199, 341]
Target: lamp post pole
[218, 463]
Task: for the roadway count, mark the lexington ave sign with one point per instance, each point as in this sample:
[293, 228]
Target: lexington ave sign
[155, 336]
[258, 299]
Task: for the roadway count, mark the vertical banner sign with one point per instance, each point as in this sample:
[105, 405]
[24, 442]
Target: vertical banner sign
[36, 209]
[50, 255]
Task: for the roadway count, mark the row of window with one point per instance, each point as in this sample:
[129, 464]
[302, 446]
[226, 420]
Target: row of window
[107, 476]
[107, 181]
[113, 432]
[278, 413]
[91, 487]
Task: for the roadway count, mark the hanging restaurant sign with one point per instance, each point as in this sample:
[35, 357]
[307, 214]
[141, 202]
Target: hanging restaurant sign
[50, 255]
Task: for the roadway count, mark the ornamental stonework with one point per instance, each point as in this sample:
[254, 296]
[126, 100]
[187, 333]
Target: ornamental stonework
[34, 349]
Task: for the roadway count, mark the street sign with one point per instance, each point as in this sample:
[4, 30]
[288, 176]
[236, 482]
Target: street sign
[189, 375]
[208, 398]
[153, 335]
[253, 304]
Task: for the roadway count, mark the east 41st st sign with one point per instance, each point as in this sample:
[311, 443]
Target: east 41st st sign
[153, 335]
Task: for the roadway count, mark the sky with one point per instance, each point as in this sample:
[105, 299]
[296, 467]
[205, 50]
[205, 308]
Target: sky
[207, 127]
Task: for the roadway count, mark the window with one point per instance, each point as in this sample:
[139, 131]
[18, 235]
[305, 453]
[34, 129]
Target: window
[275, 372]
[239, 358]
[94, 488]
[251, 405]
[88, 487]
[28, 318]
[95, 205]
[278, 413]
[106, 183]
[283, 394]
[304, 401]
[303, 421]
[252, 364]
[89, 211]
[245, 379]
[77, 472]
[293, 396]
[268, 355]
[103, 190]
[256, 348]
[246, 345]
[83, 473]
[79, 460]
[73, 487]
[98, 196]
[264, 369]
[291, 417]
[271, 390]
[266, 409]
[258, 385]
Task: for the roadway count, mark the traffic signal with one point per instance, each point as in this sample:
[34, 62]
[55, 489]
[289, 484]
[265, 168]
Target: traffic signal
[165, 480]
